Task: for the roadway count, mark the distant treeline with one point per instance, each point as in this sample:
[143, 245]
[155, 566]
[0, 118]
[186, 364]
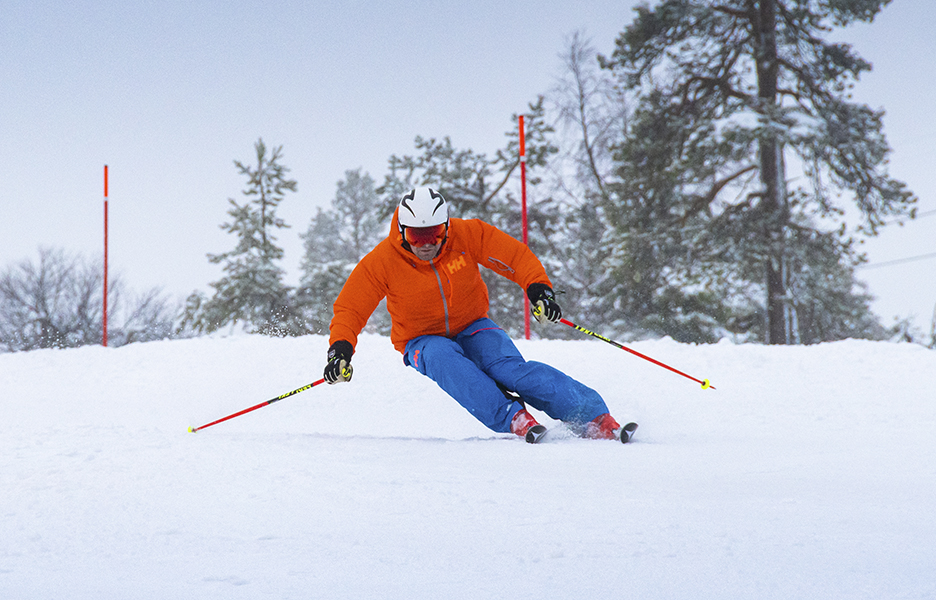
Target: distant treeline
[692, 184]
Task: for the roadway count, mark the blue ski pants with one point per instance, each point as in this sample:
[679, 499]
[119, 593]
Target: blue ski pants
[470, 365]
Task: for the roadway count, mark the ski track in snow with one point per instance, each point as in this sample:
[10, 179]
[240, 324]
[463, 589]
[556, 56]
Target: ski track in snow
[808, 473]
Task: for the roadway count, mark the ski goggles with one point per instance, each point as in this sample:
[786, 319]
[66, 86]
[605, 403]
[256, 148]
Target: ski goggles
[420, 236]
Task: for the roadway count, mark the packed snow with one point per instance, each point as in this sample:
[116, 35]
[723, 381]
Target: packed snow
[809, 472]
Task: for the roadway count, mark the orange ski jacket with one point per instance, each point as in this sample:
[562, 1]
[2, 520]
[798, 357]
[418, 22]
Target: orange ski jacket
[437, 297]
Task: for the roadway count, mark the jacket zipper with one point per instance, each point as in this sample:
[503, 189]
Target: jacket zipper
[448, 331]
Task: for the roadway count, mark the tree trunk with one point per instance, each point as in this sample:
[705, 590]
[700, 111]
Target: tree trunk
[772, 173]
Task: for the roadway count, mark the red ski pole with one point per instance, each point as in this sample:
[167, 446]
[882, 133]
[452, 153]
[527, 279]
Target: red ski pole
[704, 383]
[261, 405]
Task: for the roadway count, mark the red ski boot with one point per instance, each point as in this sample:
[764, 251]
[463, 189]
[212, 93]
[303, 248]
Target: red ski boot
[604, 427]
[524, 425]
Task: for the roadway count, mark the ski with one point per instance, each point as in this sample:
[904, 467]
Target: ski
[535, 434]
[539, 434]
[627, 432]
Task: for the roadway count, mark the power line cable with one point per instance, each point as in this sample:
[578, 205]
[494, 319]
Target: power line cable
[922, 215]
[899, 261]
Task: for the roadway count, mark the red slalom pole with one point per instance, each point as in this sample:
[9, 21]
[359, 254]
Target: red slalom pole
[523, 217]
[704, 383]
[104, 334]
[261, 405]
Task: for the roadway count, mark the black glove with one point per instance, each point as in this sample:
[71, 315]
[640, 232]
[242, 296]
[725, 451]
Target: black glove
[339, 362]
[543, 303]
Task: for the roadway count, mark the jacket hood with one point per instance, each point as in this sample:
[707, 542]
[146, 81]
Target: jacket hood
[394, 235]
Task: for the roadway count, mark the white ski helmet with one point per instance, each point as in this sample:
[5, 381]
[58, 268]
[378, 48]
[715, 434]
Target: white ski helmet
[423, 207]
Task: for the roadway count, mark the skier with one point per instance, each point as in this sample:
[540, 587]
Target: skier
[427, 268]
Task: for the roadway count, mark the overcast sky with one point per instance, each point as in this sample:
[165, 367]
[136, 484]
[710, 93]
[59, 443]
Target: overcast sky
[169, 94]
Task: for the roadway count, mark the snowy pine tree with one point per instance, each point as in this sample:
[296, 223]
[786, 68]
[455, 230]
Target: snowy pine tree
[335, 242]
[252, 292]
[623, 267]
[733, 96]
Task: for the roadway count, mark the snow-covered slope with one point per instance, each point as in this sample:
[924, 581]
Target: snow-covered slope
[809, 473]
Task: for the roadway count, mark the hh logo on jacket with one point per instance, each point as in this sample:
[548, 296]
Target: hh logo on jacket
[455, 265]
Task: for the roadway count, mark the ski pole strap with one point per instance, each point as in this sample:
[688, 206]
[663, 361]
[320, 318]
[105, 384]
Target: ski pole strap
[706, 384]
